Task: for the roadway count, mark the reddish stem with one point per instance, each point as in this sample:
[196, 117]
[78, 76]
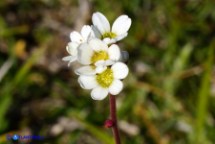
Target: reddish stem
[114, 119]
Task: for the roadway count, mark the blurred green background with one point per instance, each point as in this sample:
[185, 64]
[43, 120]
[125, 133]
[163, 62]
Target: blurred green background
[169, 95]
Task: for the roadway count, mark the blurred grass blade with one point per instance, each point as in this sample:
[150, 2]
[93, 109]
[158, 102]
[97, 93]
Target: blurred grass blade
[27, 66]
[203, 99]
[180, 63]
[7, 91]
[5, 68]
[4, 104]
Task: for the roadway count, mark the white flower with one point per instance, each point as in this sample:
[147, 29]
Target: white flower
[77, 39]
[109, 81]
[97, 56]
[102, 28]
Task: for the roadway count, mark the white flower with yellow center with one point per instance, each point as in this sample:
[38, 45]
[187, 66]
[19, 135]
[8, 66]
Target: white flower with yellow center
[109, 81]
[96, 56]
[101, 27]
[77, 39]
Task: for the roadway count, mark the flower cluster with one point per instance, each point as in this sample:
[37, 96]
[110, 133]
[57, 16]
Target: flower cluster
[102, 60]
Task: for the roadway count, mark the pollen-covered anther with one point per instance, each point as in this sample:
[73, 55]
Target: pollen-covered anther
[109, 35]
[105, 78]
[100, 55]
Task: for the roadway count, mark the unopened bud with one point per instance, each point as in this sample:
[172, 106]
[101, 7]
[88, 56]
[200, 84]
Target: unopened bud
[109, 123]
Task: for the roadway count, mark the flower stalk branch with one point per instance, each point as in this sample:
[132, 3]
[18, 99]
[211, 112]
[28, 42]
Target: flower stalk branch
[114, 119]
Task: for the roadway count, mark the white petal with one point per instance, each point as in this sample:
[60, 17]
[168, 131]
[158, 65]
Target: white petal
[98, 45]
[109, 62]
[85, 53]
[120, 37]
[70, 59]
[72, 48]
[114, 52]
[121, 25]
[76, 37]
[100, 69]
[120, 70]
[95, 32]
[85, 32]
[100, 62]
[85, 70]
[100, 66]
[108, 41]
[87, 82]
[67, 58]
[116, 87]
[101, 22]
[104, 63]
[99, 93]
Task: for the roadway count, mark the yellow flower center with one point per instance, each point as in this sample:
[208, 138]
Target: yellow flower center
[101, 55]
[105, 78]
[108, 35]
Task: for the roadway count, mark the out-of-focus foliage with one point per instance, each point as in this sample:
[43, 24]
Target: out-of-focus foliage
[169, 95]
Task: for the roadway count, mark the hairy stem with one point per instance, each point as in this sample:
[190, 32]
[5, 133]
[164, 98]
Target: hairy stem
[114, 119]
